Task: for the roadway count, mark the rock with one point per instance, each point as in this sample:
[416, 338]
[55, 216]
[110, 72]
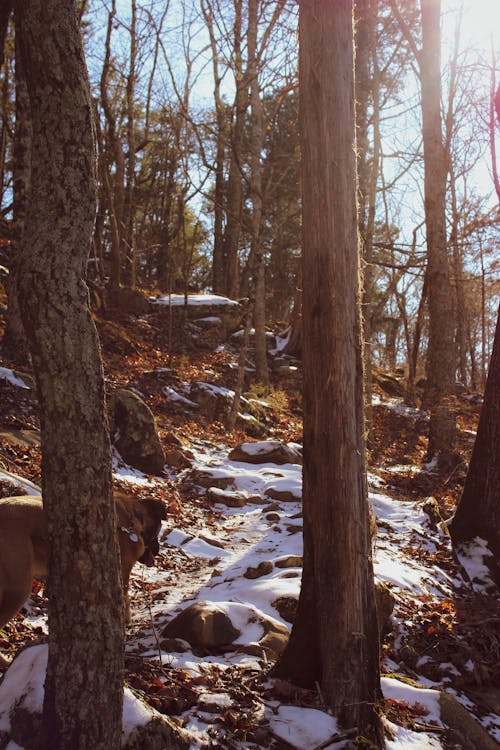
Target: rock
[388, 383]
[135, 434]
[175, 645]
[231, 499]
[272, 517]
[292, 561]
[129, 300]
[262, 569]
[178, 457]
[214, 402]
[283, 496]
[114, 338]
[203, 625]
[202, 478]
[384, 601]
[470, 734]
[230, 312]
[267, 451]
[158, 734]
[431, 508]
[287, 607]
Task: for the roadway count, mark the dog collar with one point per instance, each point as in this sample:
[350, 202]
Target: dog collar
[131, 533]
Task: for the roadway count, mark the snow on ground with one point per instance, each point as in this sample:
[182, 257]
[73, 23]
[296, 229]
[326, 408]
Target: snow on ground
[12, 378]
[215, 557]
[194, 299]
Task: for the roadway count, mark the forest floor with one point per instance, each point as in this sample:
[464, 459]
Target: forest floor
[233, 539]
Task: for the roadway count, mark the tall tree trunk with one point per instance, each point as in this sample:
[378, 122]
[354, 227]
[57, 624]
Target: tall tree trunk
[5, 11]
[367, 88]
[129, 194]
[257, 256]
[84, 683]
[441, 355]
[334, 640]
[234, 186]
[114, 165]
[218, 283]
[14, 338]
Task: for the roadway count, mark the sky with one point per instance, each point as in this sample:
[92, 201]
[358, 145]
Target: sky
[481, 21]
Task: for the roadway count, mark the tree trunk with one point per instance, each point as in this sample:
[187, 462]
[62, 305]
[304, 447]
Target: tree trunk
[334, 640]
[112, 154]
[5, 11]
[478, 510]
[218, 285]
[257, 257]
[129, 193]
[234, 186]
[367, 87]
[84, 683]
[14, 339]
[440, 357]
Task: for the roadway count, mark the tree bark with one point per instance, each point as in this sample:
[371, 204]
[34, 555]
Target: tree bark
[334, 640]
[84, 683]
[218, 284]
[257, 257]
[441, 355]
[14, 339]
[112, 153]
[367, 88]
[234, 187]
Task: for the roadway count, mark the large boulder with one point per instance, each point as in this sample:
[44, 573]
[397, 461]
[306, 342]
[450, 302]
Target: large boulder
[133, 301]
[203, 307]
[214, 401]
[134, 432]
[389, 383]
[267, 451]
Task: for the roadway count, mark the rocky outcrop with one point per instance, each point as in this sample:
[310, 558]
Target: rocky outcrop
[390, 384]
[202, 308]
[134, 432]
[267, 451]
[132, 301]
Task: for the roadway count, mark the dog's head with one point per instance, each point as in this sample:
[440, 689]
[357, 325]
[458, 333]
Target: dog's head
[150, 512]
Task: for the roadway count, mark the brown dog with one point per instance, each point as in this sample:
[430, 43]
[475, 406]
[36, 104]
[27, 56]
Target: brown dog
[24, 552]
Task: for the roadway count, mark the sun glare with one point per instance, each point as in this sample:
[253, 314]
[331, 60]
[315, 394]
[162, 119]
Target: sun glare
[480, 25]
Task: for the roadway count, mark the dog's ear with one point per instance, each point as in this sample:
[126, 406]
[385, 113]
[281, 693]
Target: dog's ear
[156, 507]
